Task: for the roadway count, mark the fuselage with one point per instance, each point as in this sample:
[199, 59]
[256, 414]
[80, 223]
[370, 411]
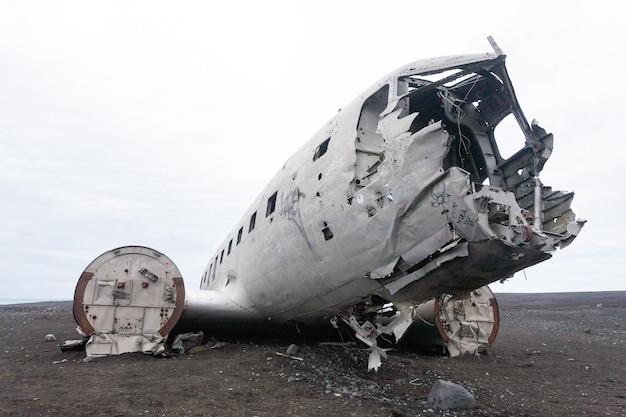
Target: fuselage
[401, 196]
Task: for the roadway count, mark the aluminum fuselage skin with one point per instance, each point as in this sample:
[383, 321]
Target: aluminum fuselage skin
[401, 197]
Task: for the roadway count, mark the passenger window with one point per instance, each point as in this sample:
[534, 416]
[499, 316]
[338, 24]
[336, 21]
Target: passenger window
[252, 222]
[230, 246]
[222, 256]
[271, 204]
[239, 235]
[321, 149]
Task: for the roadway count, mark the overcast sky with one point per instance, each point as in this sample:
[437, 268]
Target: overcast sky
[156, 124]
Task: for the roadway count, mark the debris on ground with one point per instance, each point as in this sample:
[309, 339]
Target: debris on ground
[185, 341]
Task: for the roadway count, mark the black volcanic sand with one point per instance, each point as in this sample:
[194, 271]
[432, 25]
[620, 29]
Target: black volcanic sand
[555, 355]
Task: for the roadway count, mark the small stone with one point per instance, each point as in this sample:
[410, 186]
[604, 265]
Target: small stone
[50, 338]
[446, 395]
[292, 349]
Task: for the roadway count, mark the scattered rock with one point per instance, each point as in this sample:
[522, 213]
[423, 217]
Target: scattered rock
[197, 349]
[50, 338]
[292, 349]
[446, 395]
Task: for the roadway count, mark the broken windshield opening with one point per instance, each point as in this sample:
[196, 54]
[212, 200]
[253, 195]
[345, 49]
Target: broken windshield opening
[470, 137]
[470, 102]
[507, 134]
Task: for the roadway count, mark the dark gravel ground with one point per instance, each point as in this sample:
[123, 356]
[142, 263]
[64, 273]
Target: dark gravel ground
[555, 355]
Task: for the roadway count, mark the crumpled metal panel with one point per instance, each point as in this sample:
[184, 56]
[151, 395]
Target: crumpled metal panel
[410, 199]
[454, 252]
[105, 344]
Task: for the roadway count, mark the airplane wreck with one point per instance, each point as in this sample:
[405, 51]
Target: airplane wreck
[396, 213]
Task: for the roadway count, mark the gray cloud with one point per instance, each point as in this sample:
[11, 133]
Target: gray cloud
[157, 124]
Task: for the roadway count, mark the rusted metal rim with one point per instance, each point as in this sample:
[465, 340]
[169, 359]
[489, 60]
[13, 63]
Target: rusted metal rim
[442, 332]
[496, 320]
[79, 312]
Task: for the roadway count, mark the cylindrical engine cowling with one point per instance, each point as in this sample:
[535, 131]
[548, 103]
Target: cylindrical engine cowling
[128, 300]
[461, 325]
